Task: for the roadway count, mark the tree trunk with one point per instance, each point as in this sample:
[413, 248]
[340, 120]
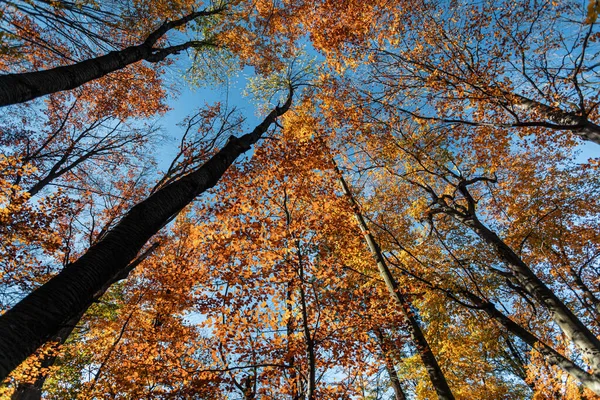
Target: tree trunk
[568, 322]
[389, 365]
[553, 357]
[45, 311]
[18, 88]
[579, 125]
[431, 365]
[33, 391]
[290, 359]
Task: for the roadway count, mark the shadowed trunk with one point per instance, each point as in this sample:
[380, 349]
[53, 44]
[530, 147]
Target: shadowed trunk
[18, 88]
[431, 365]
[309, 341]
[33, 391]
[44, 312]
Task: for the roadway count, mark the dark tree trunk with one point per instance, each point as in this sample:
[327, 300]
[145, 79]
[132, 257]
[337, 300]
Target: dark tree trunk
[389, 364]
[18, 88]
[44, 312]
[33, 391]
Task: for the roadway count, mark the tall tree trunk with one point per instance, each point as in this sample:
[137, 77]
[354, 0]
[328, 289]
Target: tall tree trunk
[389, 365]
[553, 357]
[33, 391]
[44, 312]
[18, 88]
[308, 337]
[290, 359]
[568, 322]
[431, 365]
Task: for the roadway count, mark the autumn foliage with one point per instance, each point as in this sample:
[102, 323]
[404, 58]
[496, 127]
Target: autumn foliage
[413, 216]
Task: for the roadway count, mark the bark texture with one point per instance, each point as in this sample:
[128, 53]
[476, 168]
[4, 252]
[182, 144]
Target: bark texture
[45, 311]
[18, 88]
[33, 390]
[568, 322]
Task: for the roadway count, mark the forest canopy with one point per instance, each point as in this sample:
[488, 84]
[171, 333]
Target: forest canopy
[310, 200]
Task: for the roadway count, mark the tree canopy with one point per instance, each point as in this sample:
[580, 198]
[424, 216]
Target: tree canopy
[404, 204]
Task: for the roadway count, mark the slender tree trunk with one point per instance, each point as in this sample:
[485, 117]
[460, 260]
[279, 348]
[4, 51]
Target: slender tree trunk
[308, 336]
[517, 360]
[588, 295]
[18, 88]
[568, 322]
[44, 312]
[290, 359]
[431, 365]
[553, 357]
[389, 365]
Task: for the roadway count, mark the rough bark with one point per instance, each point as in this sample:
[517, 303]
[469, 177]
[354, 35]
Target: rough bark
[21, 87]
[33, 390]
[431, 365]
[45, 311]
[553, 357]
[573, 122]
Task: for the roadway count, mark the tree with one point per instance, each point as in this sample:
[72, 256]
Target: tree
[17, 88]
[433, 171]
[472, 271]
[423, 348]
[494, 64]
[104, 261]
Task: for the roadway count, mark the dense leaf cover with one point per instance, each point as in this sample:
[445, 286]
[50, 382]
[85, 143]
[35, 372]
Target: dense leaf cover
[414, 216]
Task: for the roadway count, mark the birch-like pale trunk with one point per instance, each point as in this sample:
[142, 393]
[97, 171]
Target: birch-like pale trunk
[434, 371]
[577, 124]
[568, 322]
[591, 381]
